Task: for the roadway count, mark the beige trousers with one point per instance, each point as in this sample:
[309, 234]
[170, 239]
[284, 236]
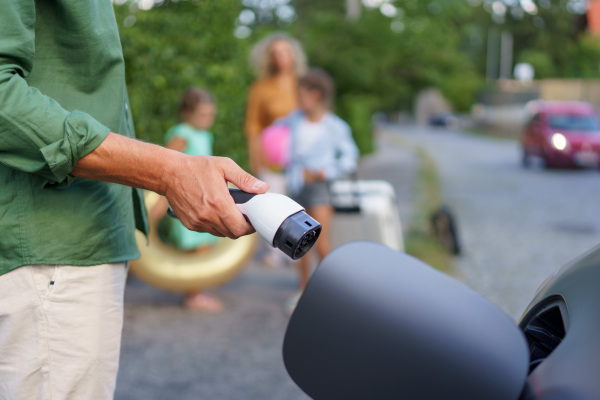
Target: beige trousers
[60, 331]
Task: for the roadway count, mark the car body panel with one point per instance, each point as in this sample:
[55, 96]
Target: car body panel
[574, 365]
[376, 323]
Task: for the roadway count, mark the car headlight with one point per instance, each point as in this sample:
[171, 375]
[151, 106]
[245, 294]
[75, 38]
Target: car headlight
[559, 141]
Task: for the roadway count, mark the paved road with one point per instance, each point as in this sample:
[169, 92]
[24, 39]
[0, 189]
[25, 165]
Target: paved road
[517, 225]
[172, 353]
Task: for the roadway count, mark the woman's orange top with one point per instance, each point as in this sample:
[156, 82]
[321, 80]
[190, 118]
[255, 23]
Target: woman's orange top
[269, 99]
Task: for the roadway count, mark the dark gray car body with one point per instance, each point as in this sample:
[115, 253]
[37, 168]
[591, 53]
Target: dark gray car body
[374, 323]
[571, 298]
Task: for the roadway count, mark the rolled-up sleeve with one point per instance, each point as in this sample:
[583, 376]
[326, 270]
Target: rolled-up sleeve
[37, 135]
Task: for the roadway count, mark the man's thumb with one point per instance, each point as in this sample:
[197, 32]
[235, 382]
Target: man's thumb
[245, 181]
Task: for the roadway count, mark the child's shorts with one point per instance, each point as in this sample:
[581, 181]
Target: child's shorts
[313, 194]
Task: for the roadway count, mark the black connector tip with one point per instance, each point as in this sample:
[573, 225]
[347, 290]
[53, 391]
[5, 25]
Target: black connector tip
[297, 235]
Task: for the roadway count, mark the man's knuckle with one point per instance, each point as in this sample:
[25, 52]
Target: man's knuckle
[229, 163]
[214, 206]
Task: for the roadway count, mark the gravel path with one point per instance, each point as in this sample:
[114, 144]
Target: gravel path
[517, 225]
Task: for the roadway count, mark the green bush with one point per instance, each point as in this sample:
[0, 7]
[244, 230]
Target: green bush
[386, 68]
[357, 111]
[182, 44]
[375, 68]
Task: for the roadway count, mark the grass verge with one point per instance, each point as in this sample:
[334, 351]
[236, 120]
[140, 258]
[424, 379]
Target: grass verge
[419, 240]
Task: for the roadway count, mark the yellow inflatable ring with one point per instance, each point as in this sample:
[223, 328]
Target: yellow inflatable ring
[162, 266]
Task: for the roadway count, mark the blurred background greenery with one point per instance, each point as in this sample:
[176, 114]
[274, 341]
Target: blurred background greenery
[381, 53]
[177, 45]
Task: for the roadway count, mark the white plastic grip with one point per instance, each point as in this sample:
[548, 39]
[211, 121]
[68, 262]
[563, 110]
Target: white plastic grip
[266, 212]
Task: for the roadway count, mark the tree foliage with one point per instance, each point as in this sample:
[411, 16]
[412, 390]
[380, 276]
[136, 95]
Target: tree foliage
[553, 37]
[379, 62]
[182, 44]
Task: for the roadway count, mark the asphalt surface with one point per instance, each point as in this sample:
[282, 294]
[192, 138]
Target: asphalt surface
[517, 225]
[172, 353]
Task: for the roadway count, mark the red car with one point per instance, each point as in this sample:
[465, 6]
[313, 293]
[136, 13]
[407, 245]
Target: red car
[564, 134]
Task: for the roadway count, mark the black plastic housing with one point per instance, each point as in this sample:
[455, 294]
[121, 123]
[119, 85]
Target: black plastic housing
[376, 324]
[297, 235]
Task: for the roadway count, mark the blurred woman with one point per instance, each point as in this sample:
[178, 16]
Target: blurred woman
[278, 61]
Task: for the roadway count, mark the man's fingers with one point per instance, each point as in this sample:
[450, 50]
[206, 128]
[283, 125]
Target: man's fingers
[235, 222]
[224, 218]
[243, 180]
[205, 205]
[215, 228]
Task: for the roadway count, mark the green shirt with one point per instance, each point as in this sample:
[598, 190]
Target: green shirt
[62, 89]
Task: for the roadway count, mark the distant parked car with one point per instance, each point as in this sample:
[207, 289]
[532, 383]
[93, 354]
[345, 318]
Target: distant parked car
[564, 134]
[444, 119]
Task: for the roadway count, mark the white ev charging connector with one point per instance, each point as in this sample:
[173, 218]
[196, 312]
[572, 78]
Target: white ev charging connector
[279, 220]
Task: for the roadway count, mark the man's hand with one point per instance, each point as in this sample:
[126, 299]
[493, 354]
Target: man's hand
[198, 193]
[196, 186]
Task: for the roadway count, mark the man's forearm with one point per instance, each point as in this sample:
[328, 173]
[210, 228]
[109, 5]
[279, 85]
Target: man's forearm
[127, 161]
[196, 186]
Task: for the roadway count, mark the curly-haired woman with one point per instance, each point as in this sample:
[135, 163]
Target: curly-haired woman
[278, 60]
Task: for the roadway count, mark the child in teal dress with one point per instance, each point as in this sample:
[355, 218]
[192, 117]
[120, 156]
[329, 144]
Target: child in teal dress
[191, 136]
